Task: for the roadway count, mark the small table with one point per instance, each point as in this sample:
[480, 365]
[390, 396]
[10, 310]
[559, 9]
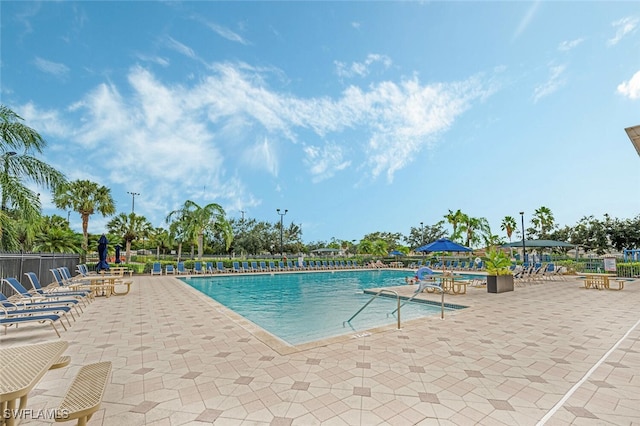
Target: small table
[21, 368]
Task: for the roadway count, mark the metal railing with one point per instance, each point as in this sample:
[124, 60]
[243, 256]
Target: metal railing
[433, 286]
[371, 300]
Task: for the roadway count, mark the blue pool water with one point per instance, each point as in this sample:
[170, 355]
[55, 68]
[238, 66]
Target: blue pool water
[304, 307]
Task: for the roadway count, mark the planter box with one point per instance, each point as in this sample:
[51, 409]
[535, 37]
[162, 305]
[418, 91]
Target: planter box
[499, 283]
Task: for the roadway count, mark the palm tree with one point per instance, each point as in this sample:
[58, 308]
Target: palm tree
[199, 220]
[129, 227]
[474, 228]
[57, 240]
[86, 198]
[179, 232]
[17, 144]
[509, 225]
[543, 218]
[455, 219]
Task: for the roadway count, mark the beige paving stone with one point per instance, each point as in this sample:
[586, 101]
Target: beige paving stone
[173, 347]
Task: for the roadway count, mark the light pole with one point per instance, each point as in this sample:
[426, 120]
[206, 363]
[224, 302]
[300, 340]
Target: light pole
[133, 200]
[524, 250]
[6, 175]
[422, 235]
[281, 228]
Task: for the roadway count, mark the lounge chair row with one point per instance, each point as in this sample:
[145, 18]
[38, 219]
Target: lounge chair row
[41, 305]
[254, 266]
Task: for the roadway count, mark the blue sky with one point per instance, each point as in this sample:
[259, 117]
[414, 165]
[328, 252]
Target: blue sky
[355, 116]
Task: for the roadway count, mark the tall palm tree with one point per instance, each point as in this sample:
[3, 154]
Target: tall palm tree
[475, 229]
[199, 220]
[86, 198]
[543, 218]
[178, 230]
[509, 225]
[455, 219]
[18, 143]
[129, 227]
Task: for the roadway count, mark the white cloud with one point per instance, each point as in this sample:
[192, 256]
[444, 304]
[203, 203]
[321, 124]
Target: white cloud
[180, 48]
[569, 44]
[361, 69]
[226, 33]
[159, 60]
[54, 68]
[262, 156]
[182, 141]
[555, 82]
[623, 27]
[323, 162]
[631, 88]
[526, 19]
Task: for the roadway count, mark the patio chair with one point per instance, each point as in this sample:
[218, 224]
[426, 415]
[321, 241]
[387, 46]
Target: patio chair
[209, 268]
[220, 267]
[263, 267]
[17, 320]
[13, 310]
[23, 297]
[169, 269]
[35, 283]
[156, 269]
[180, 269]
[197, 267]
[236, 267]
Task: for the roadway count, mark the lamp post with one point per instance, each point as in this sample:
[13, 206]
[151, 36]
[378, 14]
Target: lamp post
[133, 200]
[281, 228]
[524, 250]
[422, 235]
[6, 175]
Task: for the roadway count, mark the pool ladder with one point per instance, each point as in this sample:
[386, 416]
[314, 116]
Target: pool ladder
[433, 286]
[371, 300]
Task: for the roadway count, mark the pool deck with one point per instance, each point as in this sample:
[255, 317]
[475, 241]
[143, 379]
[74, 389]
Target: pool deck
[549, 353]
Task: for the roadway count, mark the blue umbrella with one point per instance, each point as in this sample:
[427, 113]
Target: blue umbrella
[443, 244]
[102, 254]
[118, 253]
[396, 253]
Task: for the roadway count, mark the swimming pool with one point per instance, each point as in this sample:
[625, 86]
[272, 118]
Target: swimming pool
[304, 307]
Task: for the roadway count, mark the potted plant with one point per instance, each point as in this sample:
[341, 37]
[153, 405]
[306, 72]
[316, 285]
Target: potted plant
[499, 276]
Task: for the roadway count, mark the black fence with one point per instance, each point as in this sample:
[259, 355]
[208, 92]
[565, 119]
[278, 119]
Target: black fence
[16, 264]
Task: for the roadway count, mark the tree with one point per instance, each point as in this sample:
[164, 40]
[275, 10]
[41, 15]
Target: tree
[57, 240]
[130, 227]
[475, 230]
[508, 225]
[199, 220]
[543, 222]
[455, 219]
[18, 143]
[86, 198]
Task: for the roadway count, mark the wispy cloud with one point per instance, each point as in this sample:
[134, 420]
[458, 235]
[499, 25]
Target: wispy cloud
[198, 134]
[631, 88]
[180, 48]
[159, 60]
[554, 82]
[526, 19]
[623, 27]
[361, 69]
[569, 44]
[323, 162]
[222, 31]
[54, 68]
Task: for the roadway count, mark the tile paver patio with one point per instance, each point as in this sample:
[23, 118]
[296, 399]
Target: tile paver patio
[180, 358]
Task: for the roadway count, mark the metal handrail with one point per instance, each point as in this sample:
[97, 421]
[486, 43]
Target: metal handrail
[371, 300]
[433, 286]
